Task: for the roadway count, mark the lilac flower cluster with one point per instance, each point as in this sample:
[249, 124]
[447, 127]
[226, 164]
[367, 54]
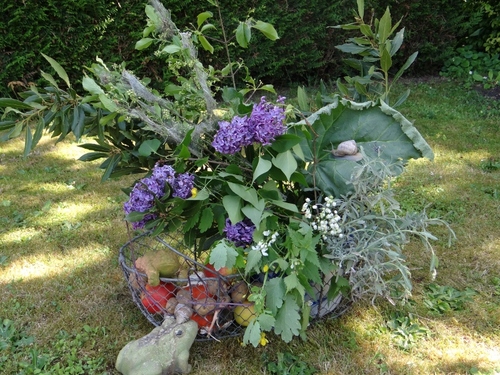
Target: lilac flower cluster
[265, 123]
[143, 194]
[183, 185]
[241, 233]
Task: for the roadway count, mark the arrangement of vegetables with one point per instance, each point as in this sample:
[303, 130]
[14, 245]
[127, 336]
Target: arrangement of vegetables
[213, 298]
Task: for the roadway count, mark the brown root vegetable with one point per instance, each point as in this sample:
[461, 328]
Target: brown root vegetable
[184, 297]
[239, 292]
[205, 307]
[216, 287]
[171, 304]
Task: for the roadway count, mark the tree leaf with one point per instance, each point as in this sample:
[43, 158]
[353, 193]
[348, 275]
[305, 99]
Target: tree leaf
[288, 320]
[263, 166]
[385, 59]
[91, 86]
[243, 34]
[285, 162]
[361, 8]
[108, 103]
[303, 99]
[171, 48]
[275, 294]
[248, 194]
[207, 219]
[205, 44]
[385, 26]
[253, 259]
[254, 213]
[202, 17]
[267, 29]
[149, 147]
[285, 142]
[58, 68]
[223, 255]
[232, 205]
[379, 129]
[14, 103]
[143, 43]
[252, 333]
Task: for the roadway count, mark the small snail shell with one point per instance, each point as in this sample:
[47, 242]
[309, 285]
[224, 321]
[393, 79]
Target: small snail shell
[346, 148]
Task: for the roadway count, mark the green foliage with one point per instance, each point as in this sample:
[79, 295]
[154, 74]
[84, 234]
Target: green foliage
[444, 299]
[72, 32]
[288, 364]
[473, 67]
[485, 19]
[374, 127]
[376, 51]
[378, 231]
[490, 165]
[406, 330]
[68, 353]
[434, 29]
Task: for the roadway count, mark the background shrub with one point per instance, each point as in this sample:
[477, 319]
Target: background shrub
[74, 32]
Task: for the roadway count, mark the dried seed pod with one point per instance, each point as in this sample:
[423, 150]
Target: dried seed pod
[171, 304]
[182, 313]
[207, 306]
[239, 292]
[346, 148]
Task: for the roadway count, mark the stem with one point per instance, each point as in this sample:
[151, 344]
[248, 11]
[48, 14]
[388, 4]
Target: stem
[226, 44]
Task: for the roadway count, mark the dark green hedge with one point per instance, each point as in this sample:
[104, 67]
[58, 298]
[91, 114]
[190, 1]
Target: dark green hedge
[74, 32]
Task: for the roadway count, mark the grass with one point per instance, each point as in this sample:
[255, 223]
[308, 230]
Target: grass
[65, 305]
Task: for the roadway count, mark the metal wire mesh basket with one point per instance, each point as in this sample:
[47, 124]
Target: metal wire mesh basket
[216, 302]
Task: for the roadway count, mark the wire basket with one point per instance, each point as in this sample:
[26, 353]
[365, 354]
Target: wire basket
[216, 302]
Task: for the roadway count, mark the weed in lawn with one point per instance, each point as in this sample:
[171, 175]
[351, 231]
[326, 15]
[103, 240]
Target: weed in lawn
[288, 364]
[490, 165]
[68, 354]
[443, 299]
[406, 330]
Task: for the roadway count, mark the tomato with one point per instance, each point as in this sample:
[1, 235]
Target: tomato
[199, 291]
[212, 272]
[203, 321]
[155, 298]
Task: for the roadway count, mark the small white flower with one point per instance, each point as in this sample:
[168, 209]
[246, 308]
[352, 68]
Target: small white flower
[266, 233]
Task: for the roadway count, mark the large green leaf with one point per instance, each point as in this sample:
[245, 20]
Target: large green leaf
[378, 129]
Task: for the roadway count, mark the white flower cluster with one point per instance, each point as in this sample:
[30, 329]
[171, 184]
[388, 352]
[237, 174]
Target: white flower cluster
[325, 219]
[263, 245]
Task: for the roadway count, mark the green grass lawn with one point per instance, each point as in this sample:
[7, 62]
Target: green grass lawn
[64, 302]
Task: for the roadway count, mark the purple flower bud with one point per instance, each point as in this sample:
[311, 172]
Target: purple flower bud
[241, 233]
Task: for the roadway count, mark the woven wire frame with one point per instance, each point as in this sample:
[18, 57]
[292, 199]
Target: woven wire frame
[220, 320]
[223, 324]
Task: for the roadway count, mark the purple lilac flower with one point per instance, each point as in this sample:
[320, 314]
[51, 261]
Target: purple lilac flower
[182, 185]
[267, 121]
[141, 200]
[143, 194]
[241, 233]
[164, 173]
[263, 126]
[232, 136]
